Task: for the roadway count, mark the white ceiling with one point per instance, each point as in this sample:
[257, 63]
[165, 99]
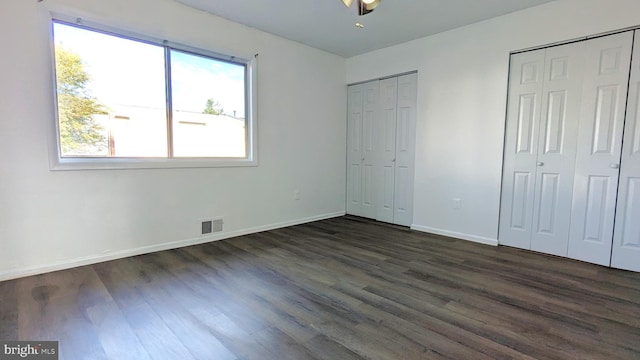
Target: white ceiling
[330, 26]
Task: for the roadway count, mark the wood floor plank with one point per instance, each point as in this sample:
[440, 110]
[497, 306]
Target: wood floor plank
[52, 307]
[283, 345]
[327, 349]
[427, 322]
[8, 310]
[173, 302]
[123, 282]
[342, 288]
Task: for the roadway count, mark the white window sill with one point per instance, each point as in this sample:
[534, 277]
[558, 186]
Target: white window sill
[67, 164]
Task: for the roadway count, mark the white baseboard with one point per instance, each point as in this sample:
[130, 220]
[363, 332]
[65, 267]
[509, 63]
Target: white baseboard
[457, 235]
[93, 259]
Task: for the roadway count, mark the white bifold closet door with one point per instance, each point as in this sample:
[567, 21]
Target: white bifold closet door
[604, 96]
[626, 240]
[362, 151]
[563, 147]
[405, 149]
[521, 148]
[396, 149]
[387, 120]
[540, 147]
[557, 148]
[381, 143]
[354, 149]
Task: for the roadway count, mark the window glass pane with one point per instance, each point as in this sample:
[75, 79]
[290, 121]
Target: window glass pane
[111, 95]
[208, 107]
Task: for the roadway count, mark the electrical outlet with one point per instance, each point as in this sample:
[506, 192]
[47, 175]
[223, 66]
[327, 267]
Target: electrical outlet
[457, 203]
[296, 195]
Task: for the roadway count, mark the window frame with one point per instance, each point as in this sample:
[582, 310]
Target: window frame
[58, 162]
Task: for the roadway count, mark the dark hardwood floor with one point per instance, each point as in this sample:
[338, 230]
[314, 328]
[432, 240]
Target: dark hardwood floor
[338, 289]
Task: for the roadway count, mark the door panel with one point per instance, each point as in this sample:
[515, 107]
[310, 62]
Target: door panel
[631, 231]
[370, 151]
[547, 210]
[403, 196]
[354, 189]
[635, 128]
[626, 237]
[606, 75]
[526, 118]
[521, 148]
[368, 187]
[521, 203]
[387, 149]
[355, 102]
[561, 96]
[595, 213]
[388, 179]
[608, 120]
[559, 68]
[555, 122]
[407, 97]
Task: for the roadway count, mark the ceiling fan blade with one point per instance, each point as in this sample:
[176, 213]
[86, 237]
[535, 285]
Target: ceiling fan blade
[347, 3]
[370, 4]
[364, 6]
[367, 6]
[362, 9]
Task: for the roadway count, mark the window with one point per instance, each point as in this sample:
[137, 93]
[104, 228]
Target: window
[132, 102]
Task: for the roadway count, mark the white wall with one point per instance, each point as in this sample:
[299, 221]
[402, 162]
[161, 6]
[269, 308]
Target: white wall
[462, 85]
[51, 220]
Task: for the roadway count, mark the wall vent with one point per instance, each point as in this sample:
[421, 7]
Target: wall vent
[211, 226]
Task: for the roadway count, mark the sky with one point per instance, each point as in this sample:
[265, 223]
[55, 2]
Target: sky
[126, 72]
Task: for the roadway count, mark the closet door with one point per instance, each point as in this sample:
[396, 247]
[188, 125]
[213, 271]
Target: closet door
[521, 148]
[387, 146]
[604, 97]
[381, 148]
[557, 140]
[354, 149]
[405, 149]
[361, 155]
[369, 151]
[626, 239]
